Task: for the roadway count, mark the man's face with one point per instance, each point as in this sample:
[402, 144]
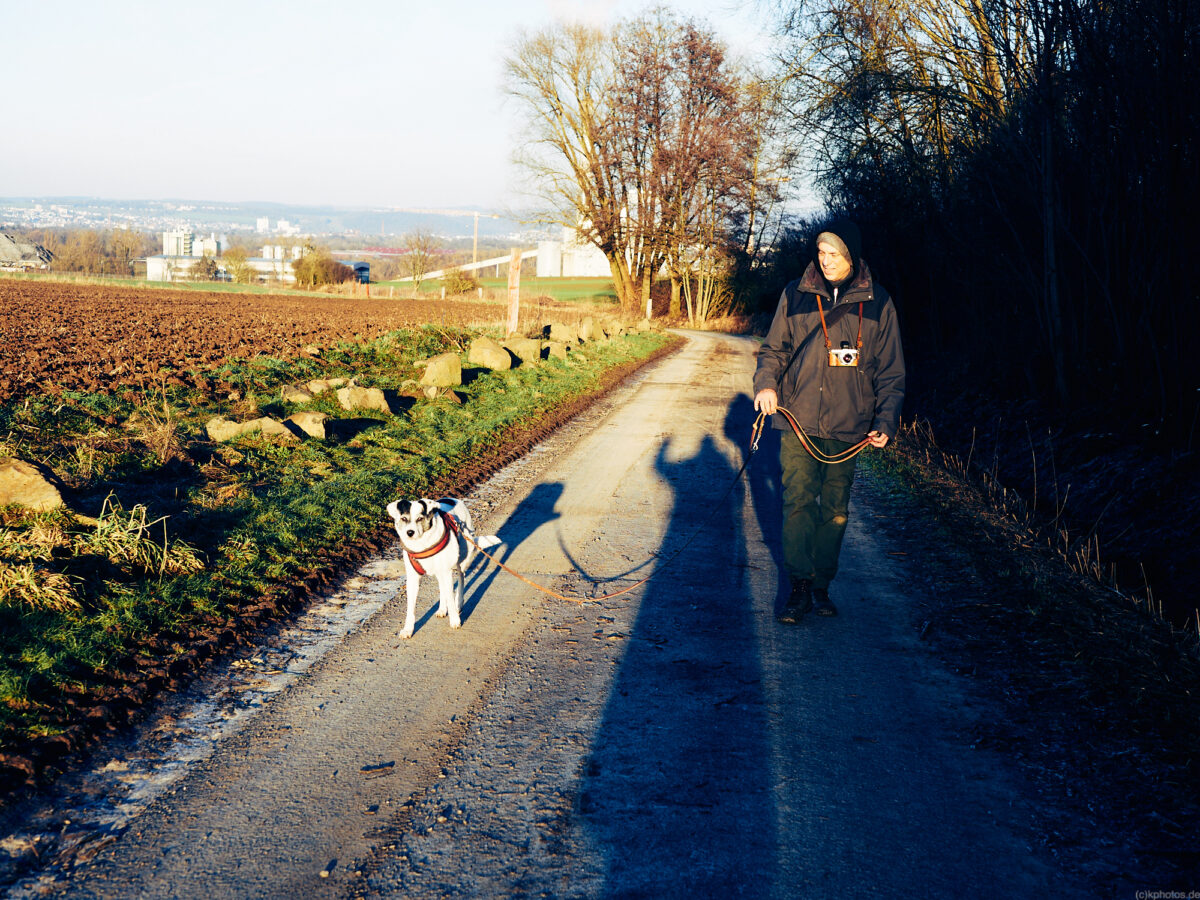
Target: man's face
[835, 266]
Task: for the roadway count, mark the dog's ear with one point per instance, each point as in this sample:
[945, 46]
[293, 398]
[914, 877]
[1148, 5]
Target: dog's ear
[428, 508]
[393, 509]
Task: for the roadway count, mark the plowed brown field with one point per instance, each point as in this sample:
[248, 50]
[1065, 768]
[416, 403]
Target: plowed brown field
[83, 337]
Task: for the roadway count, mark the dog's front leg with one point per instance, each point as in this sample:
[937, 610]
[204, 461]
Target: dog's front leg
[456, 598]
[412, 584]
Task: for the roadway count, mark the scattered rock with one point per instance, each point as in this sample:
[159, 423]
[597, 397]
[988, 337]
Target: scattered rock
[644, 325]
[312, 350]
[269, 427]
[221, 429]
[363, 398]
[321, 385]
[24, 484]
[489, 354]
[311, 423]
[527, 350]
[444, 370]
[564, 334]
[293, 394]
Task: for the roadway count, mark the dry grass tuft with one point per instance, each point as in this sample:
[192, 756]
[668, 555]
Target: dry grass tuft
[126, 539]
[30, 586]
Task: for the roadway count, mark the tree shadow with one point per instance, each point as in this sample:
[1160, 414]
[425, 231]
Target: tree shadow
[677, 789]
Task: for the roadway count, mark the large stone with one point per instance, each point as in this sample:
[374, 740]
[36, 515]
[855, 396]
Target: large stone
[490, 355]
[564, 334]
[220, 429]
[588, 330]
[363, 398]
[23, 484]
[527, 350]
[556, 350]
[270, 427]
[644, 325]
[321, 385]
[444, 370]
[311, 423]
[293, 394]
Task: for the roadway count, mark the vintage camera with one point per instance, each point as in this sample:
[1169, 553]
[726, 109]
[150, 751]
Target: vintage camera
[844, 355]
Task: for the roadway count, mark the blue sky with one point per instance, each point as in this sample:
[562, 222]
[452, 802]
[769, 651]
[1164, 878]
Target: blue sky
[359, 103]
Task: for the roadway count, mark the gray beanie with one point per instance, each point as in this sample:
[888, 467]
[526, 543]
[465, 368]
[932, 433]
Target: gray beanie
[828, 237]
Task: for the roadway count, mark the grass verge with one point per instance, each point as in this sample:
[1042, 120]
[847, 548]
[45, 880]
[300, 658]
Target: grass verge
[173, 546]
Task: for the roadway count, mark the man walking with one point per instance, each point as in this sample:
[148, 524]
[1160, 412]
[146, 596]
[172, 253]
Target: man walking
[834, 361]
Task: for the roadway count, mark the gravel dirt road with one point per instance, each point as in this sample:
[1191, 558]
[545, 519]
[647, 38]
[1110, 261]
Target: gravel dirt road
[675, 741]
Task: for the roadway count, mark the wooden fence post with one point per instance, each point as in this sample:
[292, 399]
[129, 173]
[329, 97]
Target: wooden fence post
[514, 292]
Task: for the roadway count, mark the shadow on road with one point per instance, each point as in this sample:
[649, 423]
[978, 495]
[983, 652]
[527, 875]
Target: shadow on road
[531, 514]
[676, 791]
[765, 478]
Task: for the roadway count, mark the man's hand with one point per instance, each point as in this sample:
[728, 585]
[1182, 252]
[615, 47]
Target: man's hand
[767, 401]
[877, 439]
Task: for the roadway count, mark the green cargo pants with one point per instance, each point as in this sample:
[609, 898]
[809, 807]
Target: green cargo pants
[816, 502]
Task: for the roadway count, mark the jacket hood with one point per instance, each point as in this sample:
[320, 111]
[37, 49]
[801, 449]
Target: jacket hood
[813, 282]
[849, 234]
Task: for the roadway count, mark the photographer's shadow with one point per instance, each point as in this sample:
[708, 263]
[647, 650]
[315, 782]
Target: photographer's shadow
[765, 478]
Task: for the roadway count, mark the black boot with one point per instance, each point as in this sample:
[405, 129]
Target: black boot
[800, 602]
[822, 605]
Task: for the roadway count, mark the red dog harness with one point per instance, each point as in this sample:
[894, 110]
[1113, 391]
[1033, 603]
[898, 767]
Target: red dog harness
[451, 525]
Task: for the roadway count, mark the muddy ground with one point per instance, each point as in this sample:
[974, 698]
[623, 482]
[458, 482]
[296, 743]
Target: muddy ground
[58, 337]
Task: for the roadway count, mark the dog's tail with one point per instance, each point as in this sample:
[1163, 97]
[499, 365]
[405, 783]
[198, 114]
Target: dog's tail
[485, 543]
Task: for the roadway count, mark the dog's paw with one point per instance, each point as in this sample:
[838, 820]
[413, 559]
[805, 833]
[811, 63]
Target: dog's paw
[442, 612]
[407, 632]
[455, 624]
[486, 543]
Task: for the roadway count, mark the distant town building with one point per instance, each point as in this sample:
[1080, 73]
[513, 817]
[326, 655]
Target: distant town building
[571, 257]
[177, 243]
[362, 270]
[263, 225]
[182, 250]
[209, 246]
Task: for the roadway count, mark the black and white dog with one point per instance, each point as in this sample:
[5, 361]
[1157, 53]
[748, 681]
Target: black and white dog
[434, 536]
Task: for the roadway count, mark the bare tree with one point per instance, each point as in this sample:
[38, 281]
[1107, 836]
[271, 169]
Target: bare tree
[418, 260]
[631, 128]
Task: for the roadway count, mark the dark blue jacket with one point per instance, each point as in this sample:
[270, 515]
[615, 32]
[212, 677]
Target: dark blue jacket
[835, 402]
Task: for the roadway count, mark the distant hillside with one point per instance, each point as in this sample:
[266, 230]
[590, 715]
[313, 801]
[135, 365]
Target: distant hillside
[199, 215]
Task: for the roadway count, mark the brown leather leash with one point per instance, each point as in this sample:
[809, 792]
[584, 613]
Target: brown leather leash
[817, 453]
[755, 435]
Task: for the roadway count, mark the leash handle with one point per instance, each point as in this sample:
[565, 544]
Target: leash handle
[805, 441]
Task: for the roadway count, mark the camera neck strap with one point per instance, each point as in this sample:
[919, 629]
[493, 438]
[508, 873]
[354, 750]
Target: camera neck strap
[825, 328]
